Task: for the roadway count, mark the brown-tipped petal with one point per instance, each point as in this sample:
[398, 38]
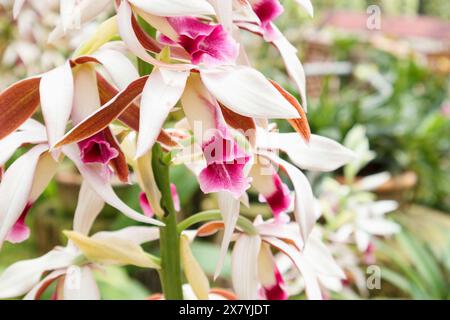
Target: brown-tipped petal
[147, 42]
[130, 116]
[151, 45]
[82, 60]
[105, 115]
[210, 228]
[239, 122]
[224, 293]
[17, 104]
[119, 163]
[300, 125]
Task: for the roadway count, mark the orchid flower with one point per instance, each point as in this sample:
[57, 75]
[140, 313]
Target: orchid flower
[303, 149]
[253, 266]
[361, 216]
[71, 267]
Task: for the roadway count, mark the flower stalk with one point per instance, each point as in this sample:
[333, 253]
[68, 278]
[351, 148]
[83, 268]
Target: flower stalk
[170, 272]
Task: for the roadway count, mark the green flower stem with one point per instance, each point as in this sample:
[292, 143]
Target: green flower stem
[211, 215]
[170, 272]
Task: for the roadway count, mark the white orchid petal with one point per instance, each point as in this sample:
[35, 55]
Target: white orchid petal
[244, 268]
[103, 188]
[66, 10]
[266, 266]
[52, 276]
[174, 8]
[292, 63]
[79, 284]
[162, 91]
[15, 189]
[198, 107]
[247, 92]
[32, 125]
[56, 90]
[380, 208]
[362, 240]
[18, 5]
[124, 15]
[320, 154]
[11, 143]
[86, 99]
[118, 66]
[193, 270]
[22, 276]
[45, 171]
[318, 255]
[224, 11]
[373, 181]
[307, 5]
[379, 226]
[136, 234]
[281, 231]
[89, 205]
[229, 208]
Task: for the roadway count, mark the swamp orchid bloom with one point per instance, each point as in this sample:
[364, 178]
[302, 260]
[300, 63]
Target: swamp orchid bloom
[225, 159]
[252, 265]
[318, 268]
[72, 266]
[369, 221]
[365, 218]
[24, 180]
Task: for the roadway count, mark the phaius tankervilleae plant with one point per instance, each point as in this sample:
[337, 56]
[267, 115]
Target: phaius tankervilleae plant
[108, 117]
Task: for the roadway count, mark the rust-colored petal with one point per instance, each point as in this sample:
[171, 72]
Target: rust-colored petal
[224, 293]
[130, 116]
[210, 228]
[239, 122]
[105, 115]
[300, 125]
[144, 39]
[82, 60]
[119, 163]
[151, 45]
[18, 103]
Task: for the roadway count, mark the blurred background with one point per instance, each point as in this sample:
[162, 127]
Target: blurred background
[390, 77]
